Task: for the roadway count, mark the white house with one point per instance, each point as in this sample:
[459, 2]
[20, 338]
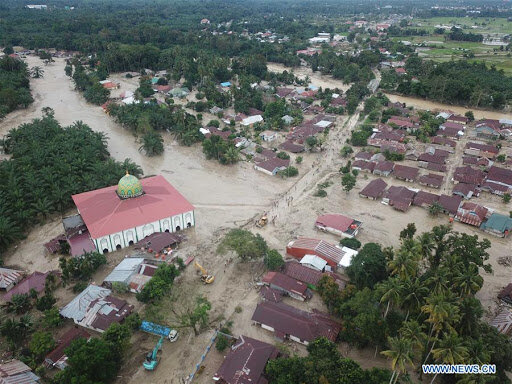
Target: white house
[248, 121]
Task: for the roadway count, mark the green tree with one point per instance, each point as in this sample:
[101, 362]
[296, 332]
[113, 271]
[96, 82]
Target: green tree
[401, 355]
[506, 198]
[352, 243]
[244, 243]
[435, 209]
[195, 317]
[273, 260]
[36, 72]
[368, 267]
[348, 182]
[40, 344]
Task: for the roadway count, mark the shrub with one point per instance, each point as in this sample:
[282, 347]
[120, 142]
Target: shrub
[119, 287]
[79, 287]
[299, 159]
[289, 172]
[46, 302]
[320, 193]
[222, 343]
[350, 243]
[283, 155]
[238, 309]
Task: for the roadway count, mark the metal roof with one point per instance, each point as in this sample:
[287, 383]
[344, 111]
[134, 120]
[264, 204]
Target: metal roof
[315, 261]
[8, 276]
[22, 378]
[12, 368]
[124, 270]
[77, 308]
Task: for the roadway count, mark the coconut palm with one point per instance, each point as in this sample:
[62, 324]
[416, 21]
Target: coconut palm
[414, 292]
[405, 263]
[468, 280]
[231, 155]
[400, 353]
[451, 350]
[412, 330]
[36, 72]
[392, 291]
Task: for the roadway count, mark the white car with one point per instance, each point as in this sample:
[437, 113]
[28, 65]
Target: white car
[173, 335]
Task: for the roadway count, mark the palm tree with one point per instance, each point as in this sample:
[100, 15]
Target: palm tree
[152, 144]
[468, 280]
[406, 262]
[9, 232]
[451, 351]
[401, 355]
[392, 291]
[413, 295]
[231, 155]
[412, 330]
[36, 72]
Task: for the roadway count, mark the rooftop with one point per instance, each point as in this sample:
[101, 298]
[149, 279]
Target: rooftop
[105, 213]
[374, 188]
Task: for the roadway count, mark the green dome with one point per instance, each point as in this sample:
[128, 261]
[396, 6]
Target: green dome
[129, 186]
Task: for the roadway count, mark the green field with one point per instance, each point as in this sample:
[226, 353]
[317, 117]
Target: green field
[483, 25]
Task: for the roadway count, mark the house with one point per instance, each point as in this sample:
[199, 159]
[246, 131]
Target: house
[287, 119]
[503, 321]
[34, 282]
[205, 21]
[77, 235]
[120, 215]
[290, 323]
[424, 199]
[282, 92]
[481, 150]
[400, 71]
[403, 172]
[338, 224]
[363, 166]
[17, 372]
[440, 140]
[9, 278]
[498, 225]
[471, 213]
[500, 177]
[160, 242]
[469, 175]
[383, 168]
[108, 84]
[374, 190]
[313, 262]
[96, 309]
[431, 180]
[268, 135]
[452, 125]
[287, 285]
[245, 362]
[180, 92]
[251, 120]
[57, 357]
[363, 156]
[458, 119]
[505, 294]
[306, 246]
[487, 132]
[225, 84]
[272, 166]
[425, 158]
[290, 146]
[450, 204]
[399, 198]
[132, 272]
[466, 191]
[269, 294]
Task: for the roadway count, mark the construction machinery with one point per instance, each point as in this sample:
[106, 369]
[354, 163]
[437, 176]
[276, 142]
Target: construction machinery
[152, 358]
[205, 277]
[262, 221]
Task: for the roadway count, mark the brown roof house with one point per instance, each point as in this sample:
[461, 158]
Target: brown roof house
[245, 362]
[383, 168]
[431, 180]
[338, 224]
[272, 166]
[506, 294]
[287, 285]
[499, 179]
[503, 321]
[450, 204]
[291, 323]
[399, 198]
[403, 172]
[35, 281]
[425, 199]
[469, 175]
[95, 309]
[57, 358]
[374, 190]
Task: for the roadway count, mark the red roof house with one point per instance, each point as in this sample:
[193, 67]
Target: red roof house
[291, 323]
[338, 224]
[425, 199]
[245, 362]
[305, 246]
[403, 172]
[471, 213]
[450, 204]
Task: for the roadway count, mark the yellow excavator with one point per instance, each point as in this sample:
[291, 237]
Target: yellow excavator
[205, 277]
[262, 221]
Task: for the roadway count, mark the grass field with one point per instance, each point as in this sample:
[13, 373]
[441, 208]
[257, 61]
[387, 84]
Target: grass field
[483, 25]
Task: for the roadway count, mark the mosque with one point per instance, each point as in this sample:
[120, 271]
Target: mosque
[118, 216]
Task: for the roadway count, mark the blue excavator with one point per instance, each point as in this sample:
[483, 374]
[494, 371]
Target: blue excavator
[152, 358]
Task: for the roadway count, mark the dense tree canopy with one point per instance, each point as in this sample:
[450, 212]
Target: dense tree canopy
[14, 85]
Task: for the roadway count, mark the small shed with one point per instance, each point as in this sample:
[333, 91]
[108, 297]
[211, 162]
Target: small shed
[314, 262]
